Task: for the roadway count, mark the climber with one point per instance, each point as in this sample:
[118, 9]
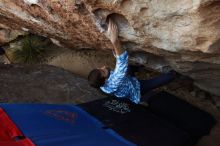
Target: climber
[2, 52]
[118, 82]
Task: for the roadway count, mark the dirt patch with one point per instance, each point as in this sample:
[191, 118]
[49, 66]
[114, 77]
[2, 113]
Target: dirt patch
[81, 62]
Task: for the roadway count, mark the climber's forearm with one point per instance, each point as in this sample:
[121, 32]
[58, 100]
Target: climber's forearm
[113, 36]
[118, 48]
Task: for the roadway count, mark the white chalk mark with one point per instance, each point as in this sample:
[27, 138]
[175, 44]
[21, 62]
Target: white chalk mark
[25, 29]
[30, 2]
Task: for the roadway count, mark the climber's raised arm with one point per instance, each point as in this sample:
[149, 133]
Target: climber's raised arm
[113, 36]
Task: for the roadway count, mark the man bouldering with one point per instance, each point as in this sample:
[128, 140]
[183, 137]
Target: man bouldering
[118, 82]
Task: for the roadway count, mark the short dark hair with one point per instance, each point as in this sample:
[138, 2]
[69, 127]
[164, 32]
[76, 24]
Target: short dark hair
[96, 79]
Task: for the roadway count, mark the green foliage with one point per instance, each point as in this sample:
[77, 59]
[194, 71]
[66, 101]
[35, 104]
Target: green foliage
[32, 50]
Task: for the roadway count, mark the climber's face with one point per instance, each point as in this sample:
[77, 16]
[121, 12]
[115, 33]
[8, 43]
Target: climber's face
[105, 71]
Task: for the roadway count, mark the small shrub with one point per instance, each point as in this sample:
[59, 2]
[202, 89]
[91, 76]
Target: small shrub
[32, 50]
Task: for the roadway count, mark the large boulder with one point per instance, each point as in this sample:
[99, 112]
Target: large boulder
[43, 84]
[185, 34]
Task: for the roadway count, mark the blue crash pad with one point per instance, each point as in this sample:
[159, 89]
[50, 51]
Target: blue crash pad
[61, 125]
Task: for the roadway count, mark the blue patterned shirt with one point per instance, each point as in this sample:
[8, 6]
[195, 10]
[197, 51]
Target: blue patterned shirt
[120, 84]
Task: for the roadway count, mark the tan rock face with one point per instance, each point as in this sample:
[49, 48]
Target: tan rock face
[7, 34]
[185, 33]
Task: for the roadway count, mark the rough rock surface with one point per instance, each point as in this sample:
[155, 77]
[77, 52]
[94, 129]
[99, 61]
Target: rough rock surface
[7, 34]
[43, 84]
[184, 33]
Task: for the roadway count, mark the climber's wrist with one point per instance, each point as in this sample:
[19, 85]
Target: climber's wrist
[118, 48]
